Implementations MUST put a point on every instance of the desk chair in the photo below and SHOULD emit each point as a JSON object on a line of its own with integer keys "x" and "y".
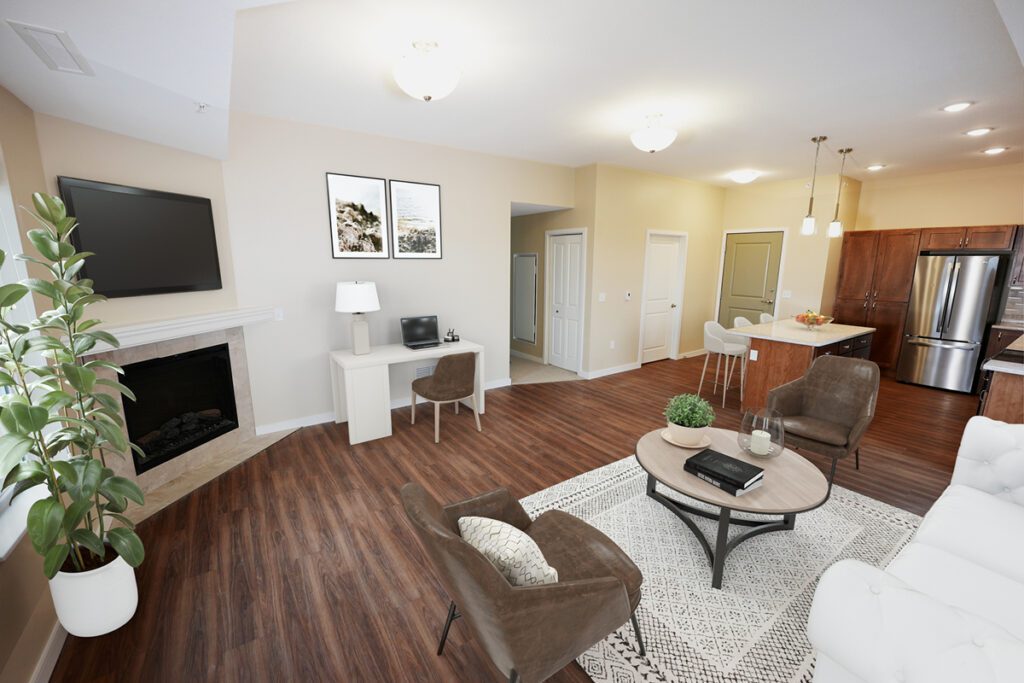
{"x": 452, "y": 381}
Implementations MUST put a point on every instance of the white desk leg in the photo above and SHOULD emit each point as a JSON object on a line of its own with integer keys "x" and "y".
{"x": 338, "y": 391}
{"x": 368, "y": 399}
{"x": 480, "y": 381}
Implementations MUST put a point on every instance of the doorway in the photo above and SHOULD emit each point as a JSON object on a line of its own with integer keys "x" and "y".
{"x": 565, "y": 277}
{"x": 661, "y": 305}
{"x": 751, "y": 264}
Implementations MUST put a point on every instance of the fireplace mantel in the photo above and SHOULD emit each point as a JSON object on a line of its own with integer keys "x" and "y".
{"x": 176, "y": 328}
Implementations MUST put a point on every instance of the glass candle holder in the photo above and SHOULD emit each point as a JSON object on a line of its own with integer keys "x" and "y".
{"x": 761, "y": 433}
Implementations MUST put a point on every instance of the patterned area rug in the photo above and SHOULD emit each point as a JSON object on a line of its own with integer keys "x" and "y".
{"x": 751, "y": 631}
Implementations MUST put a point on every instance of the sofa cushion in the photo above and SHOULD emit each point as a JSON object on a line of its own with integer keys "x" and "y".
{"x": 510, "y": 550}
{"x": 963, "y": 584}
{"x": 977, "y": 527}
{"x": 817, "y": 430}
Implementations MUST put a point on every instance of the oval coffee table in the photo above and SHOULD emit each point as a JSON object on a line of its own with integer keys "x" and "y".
{"x": 791, "y": 485}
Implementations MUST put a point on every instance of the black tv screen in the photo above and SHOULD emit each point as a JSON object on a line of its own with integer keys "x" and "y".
{"x": 145, "y": 241}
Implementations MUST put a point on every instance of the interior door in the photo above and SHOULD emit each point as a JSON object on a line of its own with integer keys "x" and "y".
{"x": 663, "y": 279}
{"x": 566, "y": 287}
{"x": 750, "y": 275}
{"x": 524, "y": 297}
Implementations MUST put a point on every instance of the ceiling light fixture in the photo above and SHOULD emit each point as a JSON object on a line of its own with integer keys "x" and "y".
{"x": 956, "y": 107}
{"x": 835, "y": 228}
{"x": 810, "y": 226}
{"x": 655, "y": 137}
{"x": 744, "y": 176}
{"x": 876, "y": 167}
{"x": 426, "y": 73}
{"x": 996, "y": 150}
{"x": 978, "y": 132}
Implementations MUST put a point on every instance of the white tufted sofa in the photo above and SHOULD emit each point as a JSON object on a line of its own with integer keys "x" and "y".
{"x": 949, "y": 608}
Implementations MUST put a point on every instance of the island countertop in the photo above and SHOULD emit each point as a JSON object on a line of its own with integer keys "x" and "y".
{"x": 792, "y": 332}
{"x": 1011, "y": 367}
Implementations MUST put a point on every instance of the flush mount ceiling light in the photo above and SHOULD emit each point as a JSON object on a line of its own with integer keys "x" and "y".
{"x": 956, "y": 107}
{"x": 655, "y": 137}
{"x": 996, "y": 150}
{"x": 810, "y": 226}
{"x": 978, "y": 132}
{"x": 876, "y": 167}
{"x": 426, "y": 73}
{"x": 744, "y": 176}
{"x": 835, "y": 228}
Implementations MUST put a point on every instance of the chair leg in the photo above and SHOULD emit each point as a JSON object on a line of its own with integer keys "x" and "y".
{"x": 456, "y": 407}
{"x": 437, "y": 422}
{"x": 718, "y": 365}
{"x": 639, "y": 637}
{"x": 414, "y": 407}
{"x": 726, "y": 376}
{"x": 476, "y": 415}
{"x": 513, "y": 676}
{"x": 743, "y": 376}
{"x": 452, "y": 616}
{"x": 707, "y": 357}
{"x": 856, "y": 459}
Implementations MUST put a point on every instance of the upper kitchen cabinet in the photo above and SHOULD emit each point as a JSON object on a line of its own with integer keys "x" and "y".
{"x": 975, "y": 237}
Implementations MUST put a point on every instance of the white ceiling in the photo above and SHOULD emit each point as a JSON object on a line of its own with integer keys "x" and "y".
{"x": 747, "y": 84}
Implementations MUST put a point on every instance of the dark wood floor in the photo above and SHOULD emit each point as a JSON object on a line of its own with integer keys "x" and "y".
{"x": 298, "y": 565}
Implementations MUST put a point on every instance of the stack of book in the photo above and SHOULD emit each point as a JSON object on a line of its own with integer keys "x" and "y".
{"x": 727, "y": 473}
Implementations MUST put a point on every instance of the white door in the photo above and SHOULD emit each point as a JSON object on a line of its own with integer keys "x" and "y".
{"x": 524, "y": 297}
{"x": 565, "y": 333}
{"x": 663, "y": 284}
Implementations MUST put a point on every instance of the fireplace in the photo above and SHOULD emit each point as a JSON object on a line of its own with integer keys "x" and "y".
{"x": 182, "y": 401}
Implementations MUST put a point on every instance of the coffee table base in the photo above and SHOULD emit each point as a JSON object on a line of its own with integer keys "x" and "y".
{"x": 723, "y": 546}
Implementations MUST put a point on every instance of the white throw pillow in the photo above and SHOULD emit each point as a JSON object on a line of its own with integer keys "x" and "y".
{"x": 515, "y": 554}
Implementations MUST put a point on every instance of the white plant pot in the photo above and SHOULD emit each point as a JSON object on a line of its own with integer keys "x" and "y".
{"x": 687, "y": 436}
{"x": 97, "y": 601}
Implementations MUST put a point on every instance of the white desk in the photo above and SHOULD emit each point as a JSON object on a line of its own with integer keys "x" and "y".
{"x": 362, "y": 384}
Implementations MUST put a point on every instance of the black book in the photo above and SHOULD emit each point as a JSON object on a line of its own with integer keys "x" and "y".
{"x": 725, "y": 486}
{"x": 724, "y": 468}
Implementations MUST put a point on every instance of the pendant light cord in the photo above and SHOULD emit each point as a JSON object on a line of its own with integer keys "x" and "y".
{"x": 839, "y": 192}
{"x": 814, "y": 175}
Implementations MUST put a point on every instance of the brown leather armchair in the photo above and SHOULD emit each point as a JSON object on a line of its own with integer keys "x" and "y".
{"x": 828, "y": 410}
{"x": 529, "y": 632}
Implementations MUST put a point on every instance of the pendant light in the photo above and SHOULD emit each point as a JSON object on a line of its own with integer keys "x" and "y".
{"x": 655, "y": 137}
{"x": 835, "y": 228}
{"x": 426, "y": 73}
{"x": 809, "y": 226}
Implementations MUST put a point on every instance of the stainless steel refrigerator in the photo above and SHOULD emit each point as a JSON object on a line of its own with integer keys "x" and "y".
{"x": 949, "y": 306}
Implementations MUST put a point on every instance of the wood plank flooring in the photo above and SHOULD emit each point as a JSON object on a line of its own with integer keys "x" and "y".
{"x": 298, "y": 564}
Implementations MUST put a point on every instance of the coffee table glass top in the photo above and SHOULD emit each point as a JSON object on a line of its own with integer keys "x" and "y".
{"x": 791, "y": 483}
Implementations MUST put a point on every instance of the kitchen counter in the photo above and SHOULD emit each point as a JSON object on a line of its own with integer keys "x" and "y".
{"x": 1007, "y": 365}
{"x": 791, "y": 332}
{"x": 1003, "y": 397}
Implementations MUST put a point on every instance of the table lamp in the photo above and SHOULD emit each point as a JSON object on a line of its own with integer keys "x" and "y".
{"x": 357, "y": 298}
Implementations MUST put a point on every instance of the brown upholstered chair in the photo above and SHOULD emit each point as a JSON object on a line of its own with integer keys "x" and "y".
{"x": 454, "y": 380}
{"x": 828, "y": 410}
{"x": 529, "y": 632}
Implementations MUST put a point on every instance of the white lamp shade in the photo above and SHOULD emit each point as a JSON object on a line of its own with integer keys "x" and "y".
{"x": 653, "y": 138}
{"x": 426, "y": 73}
{"x": 809, "y": 226}
{"x": 835, "y": 229}
{"x": 356, "y": 297}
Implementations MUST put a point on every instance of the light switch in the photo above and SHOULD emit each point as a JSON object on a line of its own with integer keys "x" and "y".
{"x": 629, "y": 296}
{"x": 753, "y": 354}
{"x": 787, "y": 294}
{"x": 602, "y": 297}
{"x": 611, "y": 344}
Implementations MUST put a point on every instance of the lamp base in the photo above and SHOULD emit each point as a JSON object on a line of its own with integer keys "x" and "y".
{"x": 360, "y": 335}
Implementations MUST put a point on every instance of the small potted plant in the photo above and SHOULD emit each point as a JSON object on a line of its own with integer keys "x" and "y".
{"x": 689, "y": 417}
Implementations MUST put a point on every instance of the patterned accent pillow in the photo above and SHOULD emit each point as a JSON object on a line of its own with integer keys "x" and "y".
{"x": 515, "y": 554}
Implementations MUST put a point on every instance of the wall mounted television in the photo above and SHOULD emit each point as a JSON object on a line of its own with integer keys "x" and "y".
{"x": 144, "y": 241}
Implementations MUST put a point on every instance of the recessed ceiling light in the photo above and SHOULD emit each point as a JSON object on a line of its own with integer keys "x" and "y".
{"x": 978, "y": 132}
{"x": 744, "y": 176}
{"x": 956, "y": 106}
{"x": 876, "y": 167}
{"x": 996, "y": 150}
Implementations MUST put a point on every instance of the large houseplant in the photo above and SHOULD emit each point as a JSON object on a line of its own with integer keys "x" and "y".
{"x": 62, "y": 425}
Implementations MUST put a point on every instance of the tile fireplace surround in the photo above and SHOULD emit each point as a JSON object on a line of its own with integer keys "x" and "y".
{"x": 177, "y": 477}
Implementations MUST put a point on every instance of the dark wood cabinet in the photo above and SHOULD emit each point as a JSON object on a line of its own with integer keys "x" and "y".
{"x": 857, "y": 265}
{"x": 851, "y": 311}
{"x": 1016, "y": 276}
{"x": 895, "y": 263}
{"x": 942, "y": 238}
{"x": 973, "y": 237}
{"x": 858, "y": 347}
{"x": 888, "y": 319}
{"x": 999, "y": 338}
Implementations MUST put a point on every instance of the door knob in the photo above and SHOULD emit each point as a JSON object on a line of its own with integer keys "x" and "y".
{"x": 673, "y": 306}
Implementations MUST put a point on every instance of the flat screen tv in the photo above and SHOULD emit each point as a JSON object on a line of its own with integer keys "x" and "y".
{"x": 144, "y": 241}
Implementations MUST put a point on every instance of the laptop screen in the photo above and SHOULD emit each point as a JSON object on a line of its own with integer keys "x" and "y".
{"x": 421, "y": 329}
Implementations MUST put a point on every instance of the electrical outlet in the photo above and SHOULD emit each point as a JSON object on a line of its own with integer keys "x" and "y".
{"x": 602, "y": 297}
{"x": 611, "y": 344}
{"x": 753, "y": 354}
{"x": 629, "y": 296}
{"x": 787, "y": 294}
{"x": 278, "y": 313}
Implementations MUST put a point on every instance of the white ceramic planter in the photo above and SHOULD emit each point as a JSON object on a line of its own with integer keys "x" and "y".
{"x": 97, "y": 601}
{"x": 687, "y": 436}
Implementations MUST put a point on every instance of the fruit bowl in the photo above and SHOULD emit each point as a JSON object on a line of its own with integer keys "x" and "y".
{"x": 812, "y": 320}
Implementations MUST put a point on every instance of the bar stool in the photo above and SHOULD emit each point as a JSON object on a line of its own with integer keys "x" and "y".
{"x": 720, "y": 342}
{"x": 767, "y": 318}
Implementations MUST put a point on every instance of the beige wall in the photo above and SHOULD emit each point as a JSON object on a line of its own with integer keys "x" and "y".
{"x": 986, "y": 196}
{"x": 27, "y": 612}
{"x": 78, "y": 151}
{"x": 274, "y": 179}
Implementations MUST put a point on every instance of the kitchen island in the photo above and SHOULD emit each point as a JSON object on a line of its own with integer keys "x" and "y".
{"x": 782, "y": 351}
{"x": 1003, "y": 396}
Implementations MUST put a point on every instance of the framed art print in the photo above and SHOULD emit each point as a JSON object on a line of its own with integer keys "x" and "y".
{"x": 416, "y": 219}
{"x": 357, "y": 207}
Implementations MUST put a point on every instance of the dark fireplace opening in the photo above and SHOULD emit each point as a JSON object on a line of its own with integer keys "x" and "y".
{"x": 182, "y": 401}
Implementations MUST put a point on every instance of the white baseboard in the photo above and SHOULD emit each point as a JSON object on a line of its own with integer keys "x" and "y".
{"x": 604, "y": 372}
{"x": 693, "y": 354}
{"x": 51, "y": 651}
{"x": 310, "y": 420}
{"x": 526, "y": 356}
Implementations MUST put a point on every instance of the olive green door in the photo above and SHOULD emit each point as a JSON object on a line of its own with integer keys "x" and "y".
{"x": 750, "y": 276}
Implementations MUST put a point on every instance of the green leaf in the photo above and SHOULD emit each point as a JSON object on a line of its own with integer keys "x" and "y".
{"x": 54, "y": 559}
{"x": 105, "y": 364}
{"x": 25, "y": 485}
{"x": 6, "y": 380}
{"x": 112, "y": 433}
{"x": 89, "y": 539}
{"x": 8, "y": 421}
{"x": 114, "y": 384}
{"x": 45, "y": 343}
{"x": 66, "y": 470}
{"x": 121, "y": 518}
{"x": 81, "y": 378}
{"x": 29, "y": 418}
{"x": 128, "y": 545}
{"x": 43, "y": 287}
{"x": 120, "y": 486}
{"x": 12, "y": 294}
{"x": 103, "y": 336}
{"x": 75, "y": 512}
{"x": 44, "y": 523}
{"x": 26, "y": 471}
{"x": 3, "y": 257}
{"x": 91, "y": 476}
{"x": 83, "y": 344}
{"x": 45, "y": 244}
{"x": 13, "y": 448}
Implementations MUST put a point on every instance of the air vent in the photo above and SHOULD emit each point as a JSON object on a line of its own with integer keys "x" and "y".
{"x": 53, "y": 47}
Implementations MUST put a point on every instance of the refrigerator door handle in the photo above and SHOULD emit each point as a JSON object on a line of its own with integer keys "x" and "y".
{"x": 965, "y": 346}
{"x": 954, "y": 281}
{"x": 945, "y": 298}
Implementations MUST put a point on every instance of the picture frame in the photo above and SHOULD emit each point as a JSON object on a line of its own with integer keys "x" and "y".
{"x": 415, "y": 219}
{"x": 358, "y": 220}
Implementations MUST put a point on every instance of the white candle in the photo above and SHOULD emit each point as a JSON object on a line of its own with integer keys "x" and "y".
{"x": 760, "y": 442}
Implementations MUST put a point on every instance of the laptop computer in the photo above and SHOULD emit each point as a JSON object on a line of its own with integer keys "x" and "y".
{"x": 420, "y": 332}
